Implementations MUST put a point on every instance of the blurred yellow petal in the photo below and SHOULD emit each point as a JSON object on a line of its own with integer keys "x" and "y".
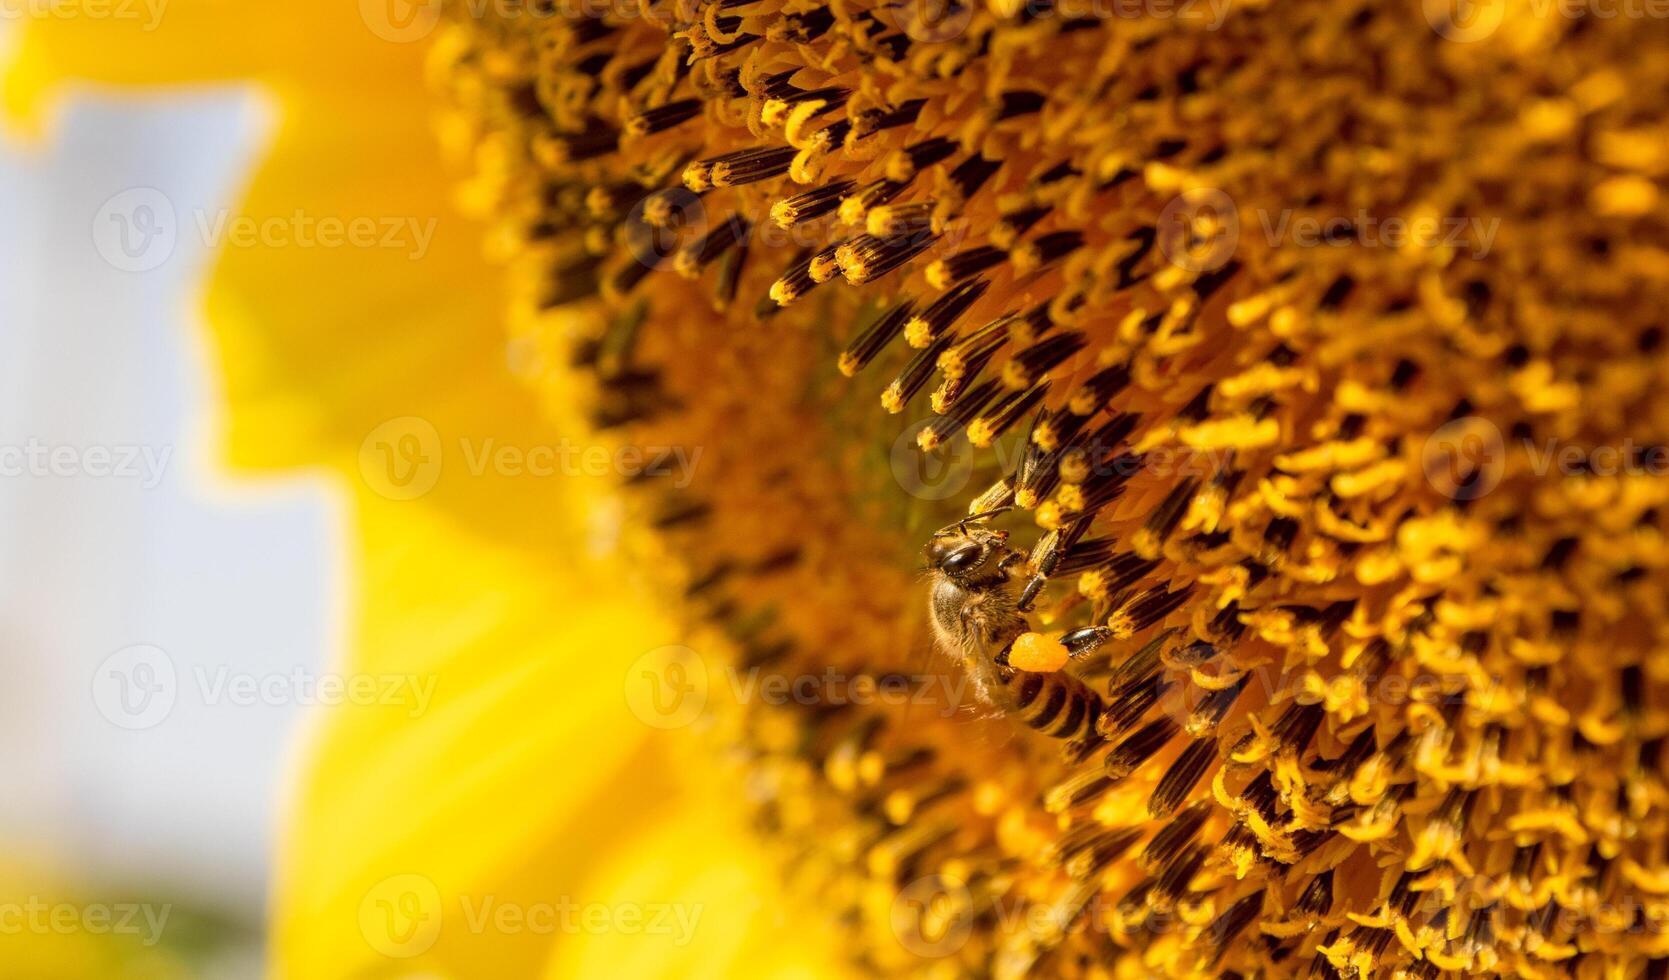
{"x": 52, "y": 929}
{"x": 520, "y": 779}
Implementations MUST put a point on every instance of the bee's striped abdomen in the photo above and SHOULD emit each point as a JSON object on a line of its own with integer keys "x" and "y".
{"x": 1056, "y": 704}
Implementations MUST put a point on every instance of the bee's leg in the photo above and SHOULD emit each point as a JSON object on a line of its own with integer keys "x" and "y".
{"x": 1001, "y": 656}
{"x": 1046, "y": 557}
{"x": 1028, "y": 595}
{"x": 1083, "y": 642}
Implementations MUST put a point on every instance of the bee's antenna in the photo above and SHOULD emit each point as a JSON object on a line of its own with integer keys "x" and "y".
{"x": 962, "y": 525}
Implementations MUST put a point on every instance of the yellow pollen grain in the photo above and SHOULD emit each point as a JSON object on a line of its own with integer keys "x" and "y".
{"x": 774, "y": 112}
{"x": 795, "y": 129}
{"x": 1146, "y": 543}
{"x": 785, "y": 214}
{"x": 657, "y": 211}
{"x": 1250, "y": 310}
{"x": 698, "y": 176}
{"x": 551, "y": 153}
{"x": 871, "y": 767}
{"x": 823, "y": 267}
{"x": 852, "y": 265}
{"x": 807, "y": 165}
{"x": 852, "y": 210}
{"x": 597, "y": 202}
{"x": 783, "y": 292}
{"x": 1046, "y": 436}
{"x": 1642, "y": 151}
{"x": 899, "y": 806}
{"x": 1628, "y": 196}
{"x": 1239, "y": 432}
{"x": 1025, "y": 258}
{"x": 687, "y": 264}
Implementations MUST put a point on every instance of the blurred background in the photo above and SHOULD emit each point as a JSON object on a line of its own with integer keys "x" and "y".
{"x": 162, "y": 626}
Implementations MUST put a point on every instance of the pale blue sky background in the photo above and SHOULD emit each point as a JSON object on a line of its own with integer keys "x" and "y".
{"x": 223, "y": 576}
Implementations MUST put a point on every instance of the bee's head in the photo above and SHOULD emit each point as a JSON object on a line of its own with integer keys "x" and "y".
{"x": 964, "y": 552}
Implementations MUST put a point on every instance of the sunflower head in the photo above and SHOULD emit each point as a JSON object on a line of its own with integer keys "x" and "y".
{"x": 1260, "y": 323}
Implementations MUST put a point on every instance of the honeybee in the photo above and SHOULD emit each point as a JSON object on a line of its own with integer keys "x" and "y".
{"x": 976, "y": 618}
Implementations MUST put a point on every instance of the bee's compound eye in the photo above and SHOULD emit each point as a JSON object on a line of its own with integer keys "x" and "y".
{"x": 961, "y": 559}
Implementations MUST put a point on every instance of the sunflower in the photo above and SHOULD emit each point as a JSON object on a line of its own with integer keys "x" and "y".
{"x": 1255, "y": 327}
{"x": 1311, "y": 356}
